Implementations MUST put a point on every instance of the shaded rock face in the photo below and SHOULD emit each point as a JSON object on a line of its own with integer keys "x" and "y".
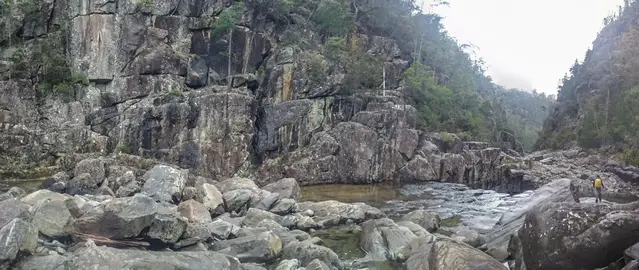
{"x": 576, "y": 236}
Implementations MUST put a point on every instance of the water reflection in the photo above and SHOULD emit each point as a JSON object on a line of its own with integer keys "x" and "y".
{"x": 370, "y": 194}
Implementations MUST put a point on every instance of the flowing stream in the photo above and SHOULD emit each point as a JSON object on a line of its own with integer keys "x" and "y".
{"x": 457, "y": 205}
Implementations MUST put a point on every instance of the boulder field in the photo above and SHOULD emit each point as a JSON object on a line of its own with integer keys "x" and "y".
{"x": 168, "y": 219}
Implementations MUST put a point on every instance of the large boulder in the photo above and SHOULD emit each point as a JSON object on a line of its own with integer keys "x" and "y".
{"x": 167, "y": 228}
{"x": 286, "y": 188}
{"x": 119, "y": 218}
{"x": 237, "y": 183}
{"x": 194, "y": 211}
{"x": 328, "y": 213}
{"x": 576, "y": 236}
{"x": 446, "y": 254}
{"x": 12, "y": 208}
{"x": 94, "y": 171}
{"x": 52, "y": 218}
{"x": 428, "y": 220}
{"x": 12, "y": 193}
{"x": 306, "y": 251}
{"x": 468, "y": 236}
{"x": 259, "y": 248}
{"x": 164, "y": 183}
{"x": 211, "y": 197}
{"x": 103, "y": 258}
{"x": 254, "y": 216}
{"x": 49, "y": 262}
{"x": 382, "y": 239}
{"x": 237, "y": 200}
{"x": 17, "y": 235}
{"x": 36, "y": 196}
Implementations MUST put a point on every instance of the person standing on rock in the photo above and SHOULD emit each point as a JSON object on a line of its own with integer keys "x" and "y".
{"x": 598, "y": 185}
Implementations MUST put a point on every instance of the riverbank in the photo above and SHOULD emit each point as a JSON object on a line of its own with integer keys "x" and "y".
{"x": 169, "y": 217}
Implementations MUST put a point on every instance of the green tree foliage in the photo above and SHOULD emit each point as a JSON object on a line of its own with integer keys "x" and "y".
{"x": 598, "y": 99}
{"x": 333, "y": 17}
{"x": 45, "y": 65}
{"x": 228, "y": 17}
{"x": 363, "y": 71}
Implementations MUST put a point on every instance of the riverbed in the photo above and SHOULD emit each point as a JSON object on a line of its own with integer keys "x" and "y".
{"x": 456, "y": 204}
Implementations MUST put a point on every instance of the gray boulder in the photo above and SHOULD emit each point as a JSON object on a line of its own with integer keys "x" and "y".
{"x": 36, "y": 196}
{"x": 428, "y": 220}
{"x": 284, "y": 207}
{"x": 220, "y": 229}
{"x": 317, "y": 265}
{"x": 119, "y": 218}
{"x": 382, "y": 239}
{"x": 164, "y": 183}
{"x": 329, "y": 213}
{"x": 53, "y": 261}
{"x": 12, "y": 193}
{"x": 95, "y": 171}
{"x": 237, "y": 200}
{"x": 237, "y": 183}
{"x": 446, "y": 254}
{"x": 52, "y": 218}
{"x": 103, "y": 258}
{"x": 17, "y": 235}
{"x": 167, "y": 228}
{"x": 211, "y": 197}
{"x": 286, "y": 188}
{"x": 573, "y": 236}
{"x": 265, "y": 200}
{"x": 305, "y": 252}
{"x": 468, "y": 236}
{"x": 194, "y": 211}
{"x": 259, "y": 248}
{"x": 11, "y": 209}
{"x": 291, "y": 264}
{"x": 189, "y": 193}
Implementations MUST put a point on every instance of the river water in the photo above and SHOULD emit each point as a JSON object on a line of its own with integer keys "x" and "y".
{"x": 458, "y": 206}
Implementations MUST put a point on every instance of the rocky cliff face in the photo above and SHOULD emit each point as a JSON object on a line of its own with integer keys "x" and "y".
{"x": 157, "y": 84}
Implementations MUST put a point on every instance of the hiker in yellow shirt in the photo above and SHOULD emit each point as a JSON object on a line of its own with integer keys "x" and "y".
{"x": 598, "y": 185}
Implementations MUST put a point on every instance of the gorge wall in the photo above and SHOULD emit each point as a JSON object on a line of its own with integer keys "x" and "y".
{"x": 87, "y": 78}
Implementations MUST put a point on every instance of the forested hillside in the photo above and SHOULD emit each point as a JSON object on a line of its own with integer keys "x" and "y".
{"x": 598, "y": 99}
{"x": 525, "y": 113}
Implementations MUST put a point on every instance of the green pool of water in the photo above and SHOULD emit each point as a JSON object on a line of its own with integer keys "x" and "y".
{"x": 369, "y": 194}
{"x": 344, "y": 240}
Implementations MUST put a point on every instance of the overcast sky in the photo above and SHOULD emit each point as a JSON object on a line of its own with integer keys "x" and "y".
{"x": 527, "y": 43}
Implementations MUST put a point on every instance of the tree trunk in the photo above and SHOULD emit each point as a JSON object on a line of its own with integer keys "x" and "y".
{"x": 384, "y": 79}
{"x": 230, "y": 56}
